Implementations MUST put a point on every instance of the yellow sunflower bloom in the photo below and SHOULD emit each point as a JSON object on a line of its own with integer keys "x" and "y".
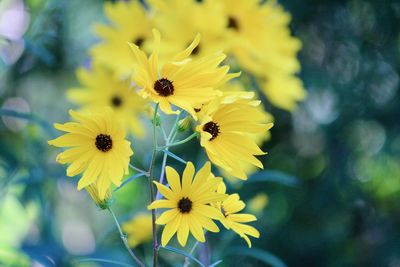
{"x": 226, "y": 134}
{"x": 138, "y": 229}
{"x": 184, "y": 82}
{"x": 100, "y": 88}
{"x": 232, "y": 219}
{"x": 179, "y": 21}
{"x": 258, "y": 203}
{"x": 129, "y": 23}
{"x": 188, "y": 203}
{"x": 98, "y": 149}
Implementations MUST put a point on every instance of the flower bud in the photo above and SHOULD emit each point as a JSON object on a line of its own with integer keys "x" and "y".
{"x": 94, "y": 194}
{"x": 184, "y": 124}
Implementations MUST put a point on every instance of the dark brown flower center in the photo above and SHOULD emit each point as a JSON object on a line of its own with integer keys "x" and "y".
{"x": 103, "y": 142}
{"x": 116, "y": 101}
{"x": 212, "y": 128}
{"x": 164, "y": 87}
{"x": 138, "y": 41}
{"x": 185, "y": 205}
{"x": 233, "y": 23}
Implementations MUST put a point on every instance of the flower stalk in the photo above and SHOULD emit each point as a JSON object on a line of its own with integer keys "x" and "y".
{"x": 124, "y": 239}
{"x": 151, "y": 178}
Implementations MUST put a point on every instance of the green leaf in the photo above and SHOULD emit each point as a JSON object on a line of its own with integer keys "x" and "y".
{"x": 183, "y": 253}
{"x": 130, "y": 179}
{"x": 274, "y": 176}
{"x": 172, "y": 155}
{"x": 104, "y": 261}
{"x": 258, "y": 254}
{"x": 215, "y": 263}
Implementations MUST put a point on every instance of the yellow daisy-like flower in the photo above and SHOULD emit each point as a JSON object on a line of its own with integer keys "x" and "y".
{"x": 234, "y": 92}
{"x": 232, "y": 219}
{"x": 138, "y": 229}
{"x": 129, "y": 23}
{"x": 283, "y": 90}
{"x": 179, "y": 21}
{"x": 100, "y": 88}
{"x": 226, "y": 134}
{"x": 258, "y": 203}
{"x": 184, "y": 82}
{"x": 98, "y": 149}
{"x": 264, "y": 46}
{"x": 188, "y": 202}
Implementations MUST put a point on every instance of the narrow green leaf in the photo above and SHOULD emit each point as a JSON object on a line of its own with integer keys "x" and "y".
{"x": 105, "y": 261}
{"x": 215, "y": 263}
{"x": 172, "y": 155}
{"x": 183, "y": 253}
{"x": 258, "y": 254}
{"x": 130, "y": 179}
{"x": 274, "y": 176}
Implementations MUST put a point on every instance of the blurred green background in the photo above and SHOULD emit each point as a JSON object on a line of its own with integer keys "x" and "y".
{"x": 335, "y": 199}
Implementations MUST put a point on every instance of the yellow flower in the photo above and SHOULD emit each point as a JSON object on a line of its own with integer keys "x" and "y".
{"x": 226, "y": 134}
{"x": 284, "y": 90}
{"x": 101, "y": 89}
{"x": 262, "y": 35}
{"x": 97, "y": 149}
{"x": 264, "y": 46}
{"x": 258, "y": 203}
{"x": 129, "y": 23}
{"x": 232, "y": 219}
{"x": 138, "y": 229}
{"x": 235, "y": 92}
{"x": 102, "y": 203}
{"x": 179, "y": 21}
{"x": 184, "y": 82}
{"x": 188, "y": 203}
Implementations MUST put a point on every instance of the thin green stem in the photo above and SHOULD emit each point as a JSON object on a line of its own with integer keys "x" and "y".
{"x": 151, "y": 179}
{"x": 138, "y": 170}
{"x": 187, "y": 139}
{"x": 186, "y": 263}
{"x": 171, "y": 138}
{"x": 124, "y": 239}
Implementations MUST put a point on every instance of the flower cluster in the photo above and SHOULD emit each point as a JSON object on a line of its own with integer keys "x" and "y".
{"x": 139, "y": 70}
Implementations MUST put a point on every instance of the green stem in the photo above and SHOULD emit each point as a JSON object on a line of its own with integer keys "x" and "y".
{"x": 151, "y": 178}
{"x": 187, "y": 139}
{"x": 124, "y": 239}
{"x": 138, "y": 170}
{"x": 186, "y": 263}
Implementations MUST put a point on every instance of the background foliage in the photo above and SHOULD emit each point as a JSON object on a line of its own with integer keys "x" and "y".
{"x": 333, "y": 197}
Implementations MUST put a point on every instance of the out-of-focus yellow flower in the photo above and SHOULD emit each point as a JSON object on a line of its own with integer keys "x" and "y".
{"x": 138, "y": 229}
{"x": 188, "y": 203}
{"x": 184, "y": 82}
{"x": 97, "y": 148}
{"x": 100, "y": 88}
{"x": 226, "y": 134}
{"x": 283, "y": 90}
{"x": 101, "y": 202}
{"x": 232, "y": 219}
{"x": 264, "y": 46}
{"x": 258, "y": 203}
{"x": 178, "y": 21}
{"x": 129, "y": 23}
